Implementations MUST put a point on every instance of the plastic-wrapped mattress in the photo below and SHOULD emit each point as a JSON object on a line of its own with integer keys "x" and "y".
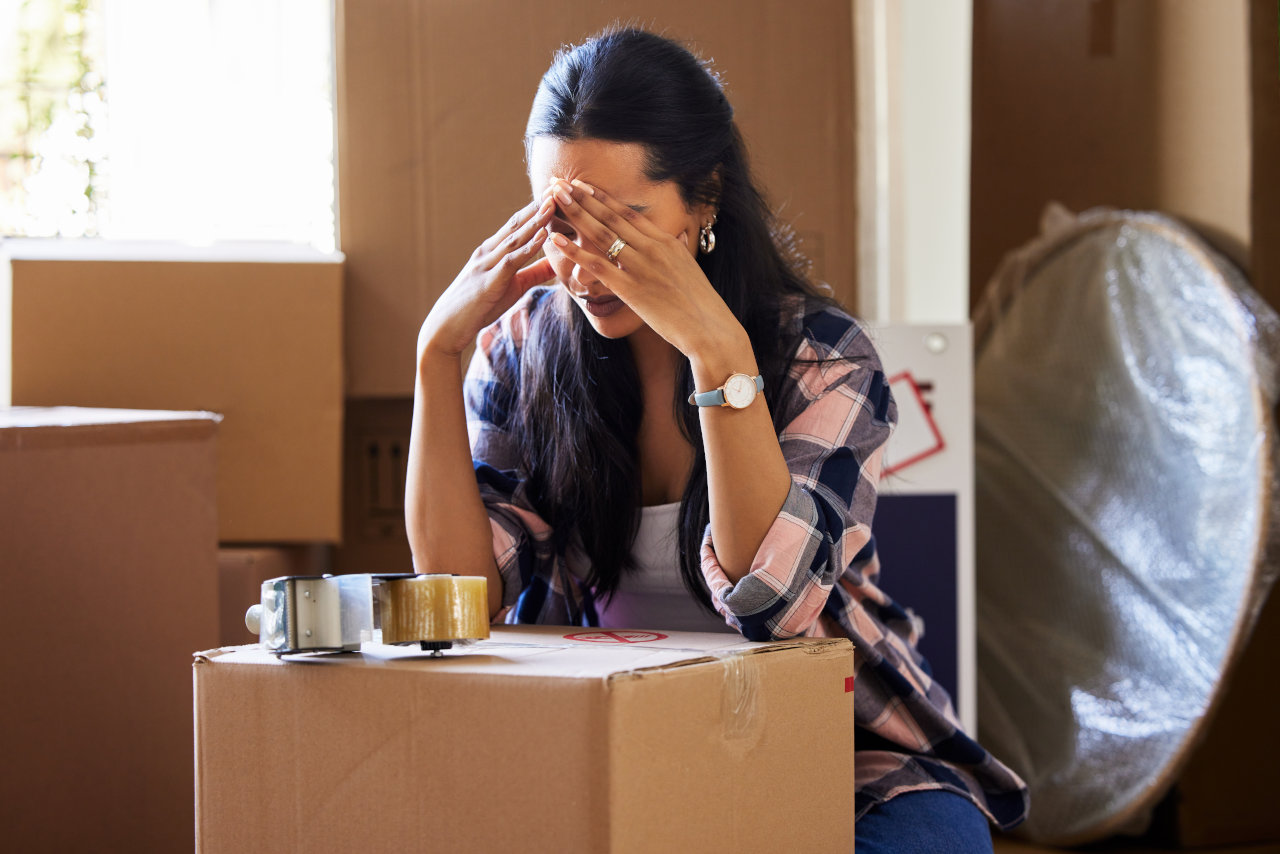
{"x": 1125, "y": 388}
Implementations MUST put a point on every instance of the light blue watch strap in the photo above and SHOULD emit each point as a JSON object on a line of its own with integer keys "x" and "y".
{"x": 715, "y": 397}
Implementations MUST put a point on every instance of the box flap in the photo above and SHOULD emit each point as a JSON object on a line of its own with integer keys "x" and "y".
{"x": 543, "y": 651}
{"x": 61, "y": 426}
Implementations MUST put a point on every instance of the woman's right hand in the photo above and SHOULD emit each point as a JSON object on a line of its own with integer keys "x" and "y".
{"x": 498, "y": 273}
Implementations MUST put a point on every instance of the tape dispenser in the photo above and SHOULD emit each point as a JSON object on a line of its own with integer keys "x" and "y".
{"x": 334, "y": 613}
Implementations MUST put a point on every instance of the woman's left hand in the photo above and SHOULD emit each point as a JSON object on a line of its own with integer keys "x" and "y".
{"x": 655, "y": 274}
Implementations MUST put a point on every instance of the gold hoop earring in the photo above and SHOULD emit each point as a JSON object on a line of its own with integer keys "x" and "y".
{"x": 707, "y": 237}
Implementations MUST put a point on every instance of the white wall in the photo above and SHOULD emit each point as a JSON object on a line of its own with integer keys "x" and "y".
{"x": 913, "y": 124}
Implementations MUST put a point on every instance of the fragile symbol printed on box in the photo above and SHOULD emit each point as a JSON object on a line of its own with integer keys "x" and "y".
{"x": 615, "y": 637}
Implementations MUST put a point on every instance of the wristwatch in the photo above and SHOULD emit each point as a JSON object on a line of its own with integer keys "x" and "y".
{"x": 737, "y": 392}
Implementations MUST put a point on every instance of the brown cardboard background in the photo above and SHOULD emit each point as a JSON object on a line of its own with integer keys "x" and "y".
{"x": 1227, "y": 793}
{"x": 107, "y": 549}
{"x": 1139, "y": 104}
{"x": 260, "y": 343}
{"x": 241, "y": 572}
{"x": 1264, "y": 25}
{"x": 432, "y": 102}
{"x": 375, "y": 461}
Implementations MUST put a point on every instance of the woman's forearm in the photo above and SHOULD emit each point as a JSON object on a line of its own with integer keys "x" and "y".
{"x": 448, "y": 527}
{"x": 747, "y": 475}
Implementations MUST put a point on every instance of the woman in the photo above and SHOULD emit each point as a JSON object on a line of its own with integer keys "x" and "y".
{"x": 679, "y": 397}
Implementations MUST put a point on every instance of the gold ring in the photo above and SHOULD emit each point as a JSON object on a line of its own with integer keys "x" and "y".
{"x": 614, "y": 248}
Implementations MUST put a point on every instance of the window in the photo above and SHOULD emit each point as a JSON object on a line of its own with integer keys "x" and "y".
{"x": 200, "y": 121}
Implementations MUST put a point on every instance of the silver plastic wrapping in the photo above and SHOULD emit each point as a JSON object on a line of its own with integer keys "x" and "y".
{"x": 1124, "y": 393}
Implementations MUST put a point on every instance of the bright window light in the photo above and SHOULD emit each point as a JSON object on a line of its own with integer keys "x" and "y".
{"x": 199, "y": 121}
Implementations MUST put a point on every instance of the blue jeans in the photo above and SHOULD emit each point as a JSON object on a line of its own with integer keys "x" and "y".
{"x": 929, "y": 822}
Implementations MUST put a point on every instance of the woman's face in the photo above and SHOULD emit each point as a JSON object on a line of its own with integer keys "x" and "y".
{"x": 618, "y": 169}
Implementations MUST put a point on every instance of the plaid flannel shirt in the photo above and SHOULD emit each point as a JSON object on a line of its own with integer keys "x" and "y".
{"x": 815, "y": 573}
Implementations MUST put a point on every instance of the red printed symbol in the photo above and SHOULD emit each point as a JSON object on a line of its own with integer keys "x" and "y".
{"x": 615, "y": 637}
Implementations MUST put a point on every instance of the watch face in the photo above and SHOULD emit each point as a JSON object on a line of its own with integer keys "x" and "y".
{"x": 739, "y": 391}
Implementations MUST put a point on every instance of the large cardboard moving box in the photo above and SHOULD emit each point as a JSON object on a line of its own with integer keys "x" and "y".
{"x": 258, "y": 341}
{"x": 539, "y": 739}
{"x": 108, "y": 544}
{"x": 241, "y": 571}
{"x": 1144, "y": 105}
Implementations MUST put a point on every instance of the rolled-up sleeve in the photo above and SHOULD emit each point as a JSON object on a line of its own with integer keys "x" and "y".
{"x": 833, "y": 447}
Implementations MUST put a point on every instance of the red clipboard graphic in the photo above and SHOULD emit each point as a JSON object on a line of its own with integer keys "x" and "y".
{"x": 917, "y": 436}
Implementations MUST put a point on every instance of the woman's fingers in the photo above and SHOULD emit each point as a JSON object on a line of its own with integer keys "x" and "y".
{"x": 593, "y": 220}
{"x": 519, "y": 254}
{"x": 514, "y": 222}
{"x": 626, "y": 222}
{"x": 518, "y": 230}
{"x": 537, "y": 273}
{"x": 614, "y": 275}
{"x": 529, "y": 234}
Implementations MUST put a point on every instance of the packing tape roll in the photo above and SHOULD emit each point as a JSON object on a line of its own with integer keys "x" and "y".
{"x": 434, "y": 608}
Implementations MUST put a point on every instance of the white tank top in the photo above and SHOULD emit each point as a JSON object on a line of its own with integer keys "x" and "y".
{"x": 652, "y": 595}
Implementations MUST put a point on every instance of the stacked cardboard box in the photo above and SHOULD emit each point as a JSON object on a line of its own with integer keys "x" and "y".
{"x": 258, "y": 342}
{"x": 539, "y": 739}
{"x": 108, "y": 541}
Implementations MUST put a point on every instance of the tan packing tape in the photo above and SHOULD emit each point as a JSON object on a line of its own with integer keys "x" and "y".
{"x": 434, "y": 609}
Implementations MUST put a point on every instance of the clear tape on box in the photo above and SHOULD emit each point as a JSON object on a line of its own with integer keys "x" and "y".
{"x": 1125, "y": 390}
{"x": 742, "y": 703}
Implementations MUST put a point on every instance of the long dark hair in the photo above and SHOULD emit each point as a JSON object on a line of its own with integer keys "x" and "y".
{"x": 578, "y": 409}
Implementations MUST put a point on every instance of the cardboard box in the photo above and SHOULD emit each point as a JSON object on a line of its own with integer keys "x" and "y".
{"x": 432, "y": 103}
{"x": 539, "y": 739}
{"x": 1264, "y": 113}
{"x": 241, "y": 572}
{"x": 1227, "y": 794}
{"x": 375, "y": 464}
{"x": 108, "y": 553}
{"x": 1142, "y": 105}
{"x": 259, "y": 342}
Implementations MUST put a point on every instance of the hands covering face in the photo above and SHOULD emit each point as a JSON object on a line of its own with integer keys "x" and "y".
{"x": 653, "y": 272}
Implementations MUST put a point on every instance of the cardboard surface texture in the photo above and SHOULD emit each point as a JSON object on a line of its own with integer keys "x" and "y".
{"x": 375, "y": 464}
{"x": 579, "y": 740}
{"x": 1142, "y": 105}
{"x": 1227, "y": 794}
{"x": 108, "y": 548}
{"x": 260, "y": 343}
{"x": 241, "y": 571}
{"x": 1264, "y": 103}
{"x": 433, "y": 98}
